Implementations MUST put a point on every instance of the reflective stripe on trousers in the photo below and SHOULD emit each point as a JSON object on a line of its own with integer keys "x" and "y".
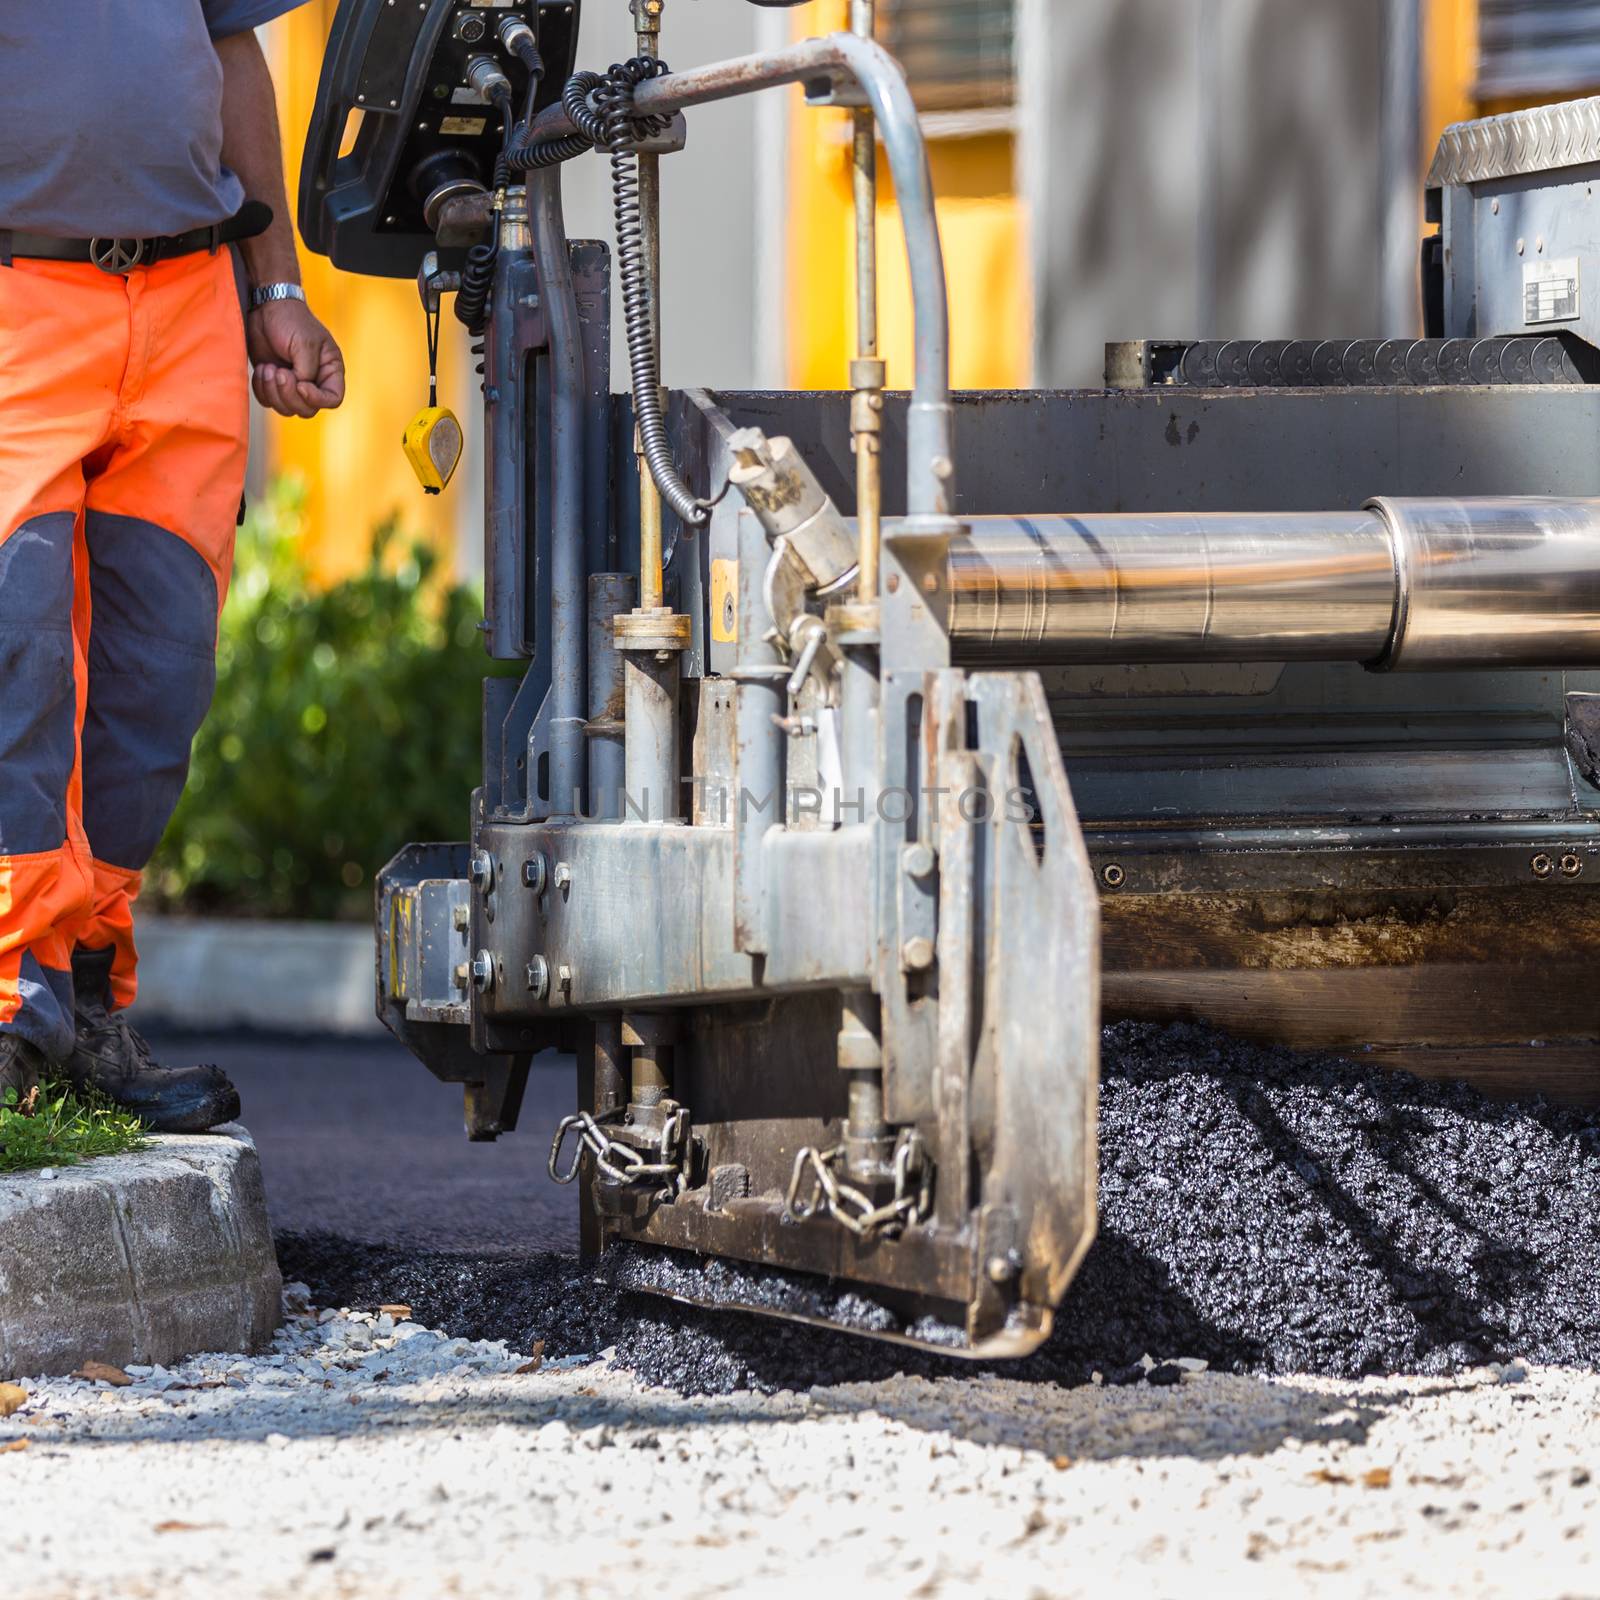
{"x": 123, "y": 431}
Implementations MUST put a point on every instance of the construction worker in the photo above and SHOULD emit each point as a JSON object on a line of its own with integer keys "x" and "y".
{"x": 140, "y": 167}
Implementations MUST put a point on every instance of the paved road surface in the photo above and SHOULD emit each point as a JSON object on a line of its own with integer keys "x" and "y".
{"x": 357, "y": 1138}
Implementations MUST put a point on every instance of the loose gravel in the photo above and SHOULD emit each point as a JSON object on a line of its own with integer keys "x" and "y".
{"x": 372, "y": 1457}
{"x": 1264, "y": 1211}
{"x": 1338, "y": 1337}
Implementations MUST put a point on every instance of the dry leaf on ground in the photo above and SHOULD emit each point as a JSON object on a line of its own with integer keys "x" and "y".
{"x": 103, "y": 1372}
{"x": 14, "y": 1444}
{"x": 12, "y": 1398}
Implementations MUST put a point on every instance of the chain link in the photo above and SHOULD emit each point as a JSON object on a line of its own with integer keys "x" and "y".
{"x": 849, "y": 1206}
{"x": 620, "y": 1164}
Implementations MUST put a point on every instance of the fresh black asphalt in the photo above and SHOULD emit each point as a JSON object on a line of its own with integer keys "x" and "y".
{"x": 1263, "y": 1211}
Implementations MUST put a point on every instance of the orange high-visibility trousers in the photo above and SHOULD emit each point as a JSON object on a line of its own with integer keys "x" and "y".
{"x": 123, "y": 432}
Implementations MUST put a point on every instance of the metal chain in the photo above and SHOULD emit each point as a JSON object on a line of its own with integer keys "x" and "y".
{"x": 620, "y": 1164}
{"x": 849, "y": 1206}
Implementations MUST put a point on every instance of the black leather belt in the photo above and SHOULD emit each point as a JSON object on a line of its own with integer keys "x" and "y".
{"x": 119, "y": 256}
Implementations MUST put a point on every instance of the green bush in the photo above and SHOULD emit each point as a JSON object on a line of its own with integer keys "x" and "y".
{"x": 345, "y": 724}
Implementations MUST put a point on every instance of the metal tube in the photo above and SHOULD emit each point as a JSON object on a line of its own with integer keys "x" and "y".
{"x": 568, "y": 610}
{"x": 610, "y": 1080}
{"x": 867, "y": 1141}
{"x": 930, "y": 471}
{"x": 867, "y": 374}
{"x": 650, "y": 1076}
{"x": 652, "y": 561}
{"x": 1172, "y": 587}
{"x": 650, "y": 693}
{"x": 506, "y": 525}
{"x": 1406, "y": 584}
{"x": 1509, "y": 582}
{"x": 610, "y": 594}
{"x": 759, "y": 699}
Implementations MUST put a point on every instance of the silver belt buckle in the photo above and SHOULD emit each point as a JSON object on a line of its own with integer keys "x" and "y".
{"x": 117, "y": 256}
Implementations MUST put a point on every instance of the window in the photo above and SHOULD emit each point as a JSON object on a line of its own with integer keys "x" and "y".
{"x": 957, "y": 53}
{"x": 1538, "y": 47}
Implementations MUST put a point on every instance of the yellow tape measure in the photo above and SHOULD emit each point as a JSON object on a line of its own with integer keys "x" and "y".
{"x": 432, "y": 444}
{"x": 433, "y": 440}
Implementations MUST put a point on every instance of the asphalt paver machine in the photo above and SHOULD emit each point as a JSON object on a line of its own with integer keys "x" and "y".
{"x": 869, "y": 745}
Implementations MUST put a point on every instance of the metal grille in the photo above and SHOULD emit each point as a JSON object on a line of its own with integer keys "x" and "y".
{"x": 957, "y": 53}
{"x": 1538, "y": 47}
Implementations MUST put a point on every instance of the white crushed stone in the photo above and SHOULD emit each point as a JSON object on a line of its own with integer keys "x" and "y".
{"x": 367, "y": 1458}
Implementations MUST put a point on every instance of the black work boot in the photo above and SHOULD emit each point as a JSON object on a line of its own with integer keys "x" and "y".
{"x": 109, "y": 1056}
{"x": 22, "y": 1065}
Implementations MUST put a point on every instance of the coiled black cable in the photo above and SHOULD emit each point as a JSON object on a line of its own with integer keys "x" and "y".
{"x": 600, "y": 107}
{"x": 477, "y": 271}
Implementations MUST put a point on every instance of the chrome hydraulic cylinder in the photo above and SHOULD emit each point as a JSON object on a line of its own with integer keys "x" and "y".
{"x": 1402, "y": 585}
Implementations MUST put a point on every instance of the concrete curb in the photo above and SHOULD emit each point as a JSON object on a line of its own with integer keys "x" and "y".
{"x": 144, "y": 1258}
{"x": 282, "y": 977}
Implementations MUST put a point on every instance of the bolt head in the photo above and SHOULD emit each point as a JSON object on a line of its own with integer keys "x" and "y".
{"x": 533, "y": 873}
{"x": 919, "y": 859}
{"x": 483, "y": 971}
{"x": 916, "y": 954}
{"x": 564, "y": 978}
{"x": 539, "y": 977}
{"x": 1001, "y": 1269}
{"x": 562, "y": 876}
{"x": 480, "y": 870}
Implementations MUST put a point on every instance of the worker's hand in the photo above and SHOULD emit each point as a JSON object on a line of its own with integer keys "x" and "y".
{"x": 299, "y": 370}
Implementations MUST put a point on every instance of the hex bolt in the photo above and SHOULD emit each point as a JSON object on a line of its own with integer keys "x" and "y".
{"x": 564, "y": 978}
{"x": 1543, "y": 865}
{"x": 562, "y": 877}
{"x": 930, "y": 582}
{"x": 533, "y": 873}
{"x": 1112, "y": 876}
{"x": 1571, "y": 865}
{"x": 463, "y": 974}
{"x": 919, "y": 859}
{"x": 480, "y": 870}
{"x": 539, "y": 977}
{"x": 483, "y": 972}
{"x": 916, "y": 954}
{"x": 460, "y": 918}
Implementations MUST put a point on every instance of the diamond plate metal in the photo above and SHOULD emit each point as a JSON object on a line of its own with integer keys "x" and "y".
{"x": 1518, "y": 142}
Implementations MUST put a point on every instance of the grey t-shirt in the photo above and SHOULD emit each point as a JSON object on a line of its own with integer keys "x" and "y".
{"x": 111, "y": 114}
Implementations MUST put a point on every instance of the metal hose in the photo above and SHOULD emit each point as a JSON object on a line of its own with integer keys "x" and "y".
{"x": 622, "y": 127}
{"x": 600, "y": 107}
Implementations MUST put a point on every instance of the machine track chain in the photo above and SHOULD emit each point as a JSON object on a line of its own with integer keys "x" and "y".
{"x": 1362, "y": 363}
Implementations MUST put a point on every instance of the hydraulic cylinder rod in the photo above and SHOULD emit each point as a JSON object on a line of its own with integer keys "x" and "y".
{"x": 1404, "y": 584}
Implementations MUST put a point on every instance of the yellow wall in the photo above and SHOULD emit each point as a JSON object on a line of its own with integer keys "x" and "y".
{"x": 350, "y": 459}
{"x": 981, "y": 221}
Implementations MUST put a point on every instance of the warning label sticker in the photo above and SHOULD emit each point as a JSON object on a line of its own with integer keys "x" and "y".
{"x": 1550, "y": 291}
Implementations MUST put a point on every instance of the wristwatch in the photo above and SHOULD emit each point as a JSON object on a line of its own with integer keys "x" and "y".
{"x": 262, "y": 294}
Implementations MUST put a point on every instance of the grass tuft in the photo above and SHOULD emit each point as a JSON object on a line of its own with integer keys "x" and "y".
{"x": 56, "y": 1126}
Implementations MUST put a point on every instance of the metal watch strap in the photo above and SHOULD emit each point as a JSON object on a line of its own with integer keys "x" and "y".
{"x": 262, "y": 294}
